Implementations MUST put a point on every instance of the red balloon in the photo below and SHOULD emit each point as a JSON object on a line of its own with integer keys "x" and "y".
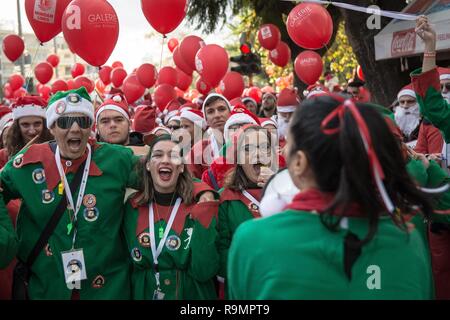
{"x": 132, "y": 88}
{"x": 16, "y": 81}
{"x": 45, "y": 17}
{"x": 82, "y": 81}
{"x": 188, "y": 48}
{"x": 269, "y": 36}
{"x": 184, "y": 80}
{"x": 180, "y": 62}
{"x": 105, "y": 74}
{"x": 117, "y": 64}
{"x": 232, "y": 85}
{"x": 164, "y": 16}
{"x": 168, "y": 75}
{"x": 59, "y": 85}
{"x": 164, "y": 93}
{"x": 43, "y": 72}
{"x": 45, "y": 92}
{"x": 203, "y": 87}
{"x": 360, "y": 73}
{"x": 13, "y": 47}
{"x": 77, "y": 70}
{"x": 255, "y": 93}
{"x": 117, "y": 76}
{"x": 147, "y": 75}
{"x": 172, "y": 44}
{"x": 310, "y": 26}
{"x": 280, "y": 55}
{"x": 308, "y": 66}
{"x": 211, "y": 63}
{"x": 53, "y": 59}
{"x": 7, "y": 91}
{"x": 100, "y": 87}
{"x": 70, "y": 84}
{"x": 91, "y": 29}
{"x": 21, "y": 92}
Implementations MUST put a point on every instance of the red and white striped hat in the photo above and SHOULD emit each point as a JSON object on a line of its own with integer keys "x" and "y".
{"x": 195, "y": 116}
{"x": 117, "y": 103}
{"x": 407, "y": 91}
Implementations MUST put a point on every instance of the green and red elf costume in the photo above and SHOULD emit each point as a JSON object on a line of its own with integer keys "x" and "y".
{"x": 436, "y": 109}
{"x": 33, "y": 175}
{"x": 173, "y": 247}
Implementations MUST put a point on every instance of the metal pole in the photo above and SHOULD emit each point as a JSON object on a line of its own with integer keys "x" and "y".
{"x": 56, "y": 52}
{"x": 19, "y": 23}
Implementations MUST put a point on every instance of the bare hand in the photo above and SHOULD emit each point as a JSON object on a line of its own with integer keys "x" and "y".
{"x": 425, "y": 31}
{"x": 206, "y": 196}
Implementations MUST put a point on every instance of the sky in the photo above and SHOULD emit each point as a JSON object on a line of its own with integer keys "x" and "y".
{"x": 133, "y": 47}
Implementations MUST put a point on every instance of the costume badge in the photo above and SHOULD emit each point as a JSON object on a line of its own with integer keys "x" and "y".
{"x": 136, "y": 254}
{"x": 173, "y": 243}
{"x": 74, "y": 266}
{"x": 98, "y": 282}
{"x": 73, "y": 98}
{"x": 89, "y": 201}
{"x": 253, "y": 207}
{"x": 18, "y": 161}
{"x": 47, "y": 196}
{"x": 144, "y": 239}
{"x": 38, "y": 176}
{"x": 60, "y": 107}
{"x": 90, "y": 214}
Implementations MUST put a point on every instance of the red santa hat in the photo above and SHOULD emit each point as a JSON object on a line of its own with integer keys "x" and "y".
{"x": 6, "y": 118}
{"x": 158, "y": 128}
{"x": 240, "y": 115}
{"x": 144, "y": 120}
{"x": 288, "y": 100}
{"x": 444, "y": 73}
{"x": 29, "y": 106}
{"x": 315, "y": 90}
{"x": 188, "y": 106}
{"x": 171, "y": 110}
{"x": 407, "y": 91}
{"x": 236, "y": 101}
{"x": 116, "y": 103}
{"x": 212, "y": 95}
{"x": 195, "y": 116}
{"x": 249, "y": 99}
{"x": 267, "y": 121}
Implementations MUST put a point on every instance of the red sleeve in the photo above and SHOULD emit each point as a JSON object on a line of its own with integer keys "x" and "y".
{"x": 421, "y": 146}
{"x": 435, "y": 139}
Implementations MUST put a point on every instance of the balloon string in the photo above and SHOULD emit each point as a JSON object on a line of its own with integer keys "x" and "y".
{"x": 31, "y": 66}
{"x": 162, "y": 50}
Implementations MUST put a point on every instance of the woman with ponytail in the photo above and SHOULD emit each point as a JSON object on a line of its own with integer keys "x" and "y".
{"x": 344, "y": 236}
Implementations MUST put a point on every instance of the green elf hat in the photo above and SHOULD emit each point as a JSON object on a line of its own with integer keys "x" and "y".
{"x": 72, "y": 101}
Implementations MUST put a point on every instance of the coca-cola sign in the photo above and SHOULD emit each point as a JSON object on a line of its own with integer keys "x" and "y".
{"x": 403, "y": 43}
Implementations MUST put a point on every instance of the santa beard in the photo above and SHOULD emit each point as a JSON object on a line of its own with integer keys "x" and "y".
{"x": 446, "y": 96}
{"x": 407, "y": 119}
{"x": 283, "y": 126}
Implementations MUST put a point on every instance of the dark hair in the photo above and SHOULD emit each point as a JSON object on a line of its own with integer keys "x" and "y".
{"x": 15, "y": 139}
{"x": 235, "y": 179}
{"x": 185, "y": 185}
{"x": 341, "y": 166}
{"x": 213, "y": 99}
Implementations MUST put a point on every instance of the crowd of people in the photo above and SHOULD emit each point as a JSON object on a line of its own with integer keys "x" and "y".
{"x": 128, "y": 202}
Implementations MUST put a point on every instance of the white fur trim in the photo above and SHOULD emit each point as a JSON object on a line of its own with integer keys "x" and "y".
{"x": 270, "y": 121}
{"x": 7, "y": 118}
{"x": 286, "y": 108}
{"x": 194, "y": 118}
{"x": 212, "y": 95}
{"x": 247, "y": 99}
{"x": 85, "y": 107}
{"x": 445, "y": 76}
{"x": 27, "y": 111}
{"x": 237, "y": 118}
{"x": 406, "y": 92}
{"x": 111, "y": 107}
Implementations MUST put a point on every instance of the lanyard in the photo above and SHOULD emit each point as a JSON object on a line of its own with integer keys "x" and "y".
{"x": 250, "y": 197}
{"x": 151, "y": 222}
{"x": 67, "y": 188}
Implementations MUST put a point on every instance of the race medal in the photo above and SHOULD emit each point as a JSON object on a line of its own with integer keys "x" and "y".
{"x": 74, "y": 266}
{"x": 161, "y": 232}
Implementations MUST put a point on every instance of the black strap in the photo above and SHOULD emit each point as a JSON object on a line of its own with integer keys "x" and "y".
{"x": 53, "y": 222}
{"x": 213, "y": 180}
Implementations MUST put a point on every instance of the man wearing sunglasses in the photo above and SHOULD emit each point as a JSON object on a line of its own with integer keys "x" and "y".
{"x": 89, "y": 227}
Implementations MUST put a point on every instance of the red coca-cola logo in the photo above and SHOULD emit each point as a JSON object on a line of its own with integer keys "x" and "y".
{"x": 403, "y": 42}
{"x": 45, "y": 5}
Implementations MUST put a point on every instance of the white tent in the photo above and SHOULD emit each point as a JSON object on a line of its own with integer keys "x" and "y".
{"x": 398, "y": 38}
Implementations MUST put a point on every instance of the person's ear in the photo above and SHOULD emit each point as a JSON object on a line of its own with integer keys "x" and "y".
{"x": 147, "y": 166}
{"x": 300, "y": 164}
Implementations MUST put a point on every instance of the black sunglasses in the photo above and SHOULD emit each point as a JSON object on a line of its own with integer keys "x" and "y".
{"x": 173, "y": 128}
{"x": 447, "y": 86}
{"x": 67, "y": 122}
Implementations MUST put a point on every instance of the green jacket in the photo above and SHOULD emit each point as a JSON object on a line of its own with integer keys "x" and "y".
{"x": 189, "y": 260}
{"x": 33, "y": 176}
{"x": 431, "y": 103}
{"x": 293, "y": 256}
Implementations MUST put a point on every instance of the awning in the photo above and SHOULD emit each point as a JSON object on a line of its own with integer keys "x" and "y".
{"x": 398, "y": 38}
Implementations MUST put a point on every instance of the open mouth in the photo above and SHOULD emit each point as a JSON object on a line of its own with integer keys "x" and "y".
{"x": 257, "y": 168}
{"x": 74, "y": 144}
{"x": 165, "y": 174}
